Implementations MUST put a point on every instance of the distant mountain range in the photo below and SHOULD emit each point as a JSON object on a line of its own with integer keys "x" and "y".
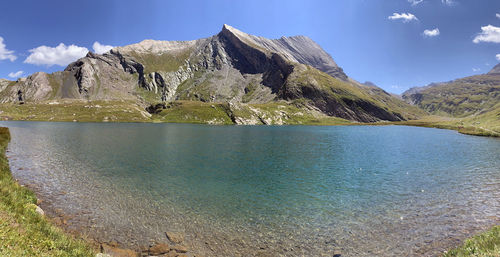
{"x": 230, "y": 67}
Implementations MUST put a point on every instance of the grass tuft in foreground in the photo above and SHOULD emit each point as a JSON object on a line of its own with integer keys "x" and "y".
{"x": 24, "y": 232}
{"x": 486, "y": 244}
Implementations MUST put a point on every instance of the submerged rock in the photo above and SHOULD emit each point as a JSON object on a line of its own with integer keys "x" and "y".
{"x": 117, "y": 252}
{"x": 180, "y": 248}
{"x": 158, "y": 249}
{"x": 175, "y": 237}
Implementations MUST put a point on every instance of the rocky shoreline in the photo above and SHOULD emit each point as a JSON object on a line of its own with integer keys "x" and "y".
{"x": 173, "y": 244}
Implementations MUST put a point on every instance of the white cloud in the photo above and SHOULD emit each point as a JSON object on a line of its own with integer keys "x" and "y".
{"x": 6, "y": 53}
{"x": 100, "y": 49}
{"x": 16, "y": 74}
{"x": 498, "y": 15}
{"x": 476, "y": 69}
{"x": 431, "y": 33}
{"x": 406, "y": 17}
{"x": 488, "y": 33}
{"x": 498, "y": 57}
{"x": 448, "y": 2}
{"x": 415, "y": 2}
{"x": 61, "y": 55}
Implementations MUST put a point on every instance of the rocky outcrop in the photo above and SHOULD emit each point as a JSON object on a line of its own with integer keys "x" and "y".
{"x": 4, "y": 83}
{"x": 35, "y": 87}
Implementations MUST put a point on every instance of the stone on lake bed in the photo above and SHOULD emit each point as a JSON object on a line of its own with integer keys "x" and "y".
{"x": 158, "y": 249}
{"x": 117, "y": 252}
{"x": 175, "y": 237}
{"x": 180, "y": 248}
{"x": 171, "y": 254}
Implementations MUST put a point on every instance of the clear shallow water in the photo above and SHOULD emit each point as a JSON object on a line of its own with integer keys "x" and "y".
{"x": 243, "y": 191}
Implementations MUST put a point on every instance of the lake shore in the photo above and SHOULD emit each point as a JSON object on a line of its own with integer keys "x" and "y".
{"x": 218, "y": 114}
{"x": 24, "y": 229}
{"x": 28, "y": 230}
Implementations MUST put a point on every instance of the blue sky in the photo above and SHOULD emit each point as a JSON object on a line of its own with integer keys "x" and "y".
{"x": 394, "y": 53}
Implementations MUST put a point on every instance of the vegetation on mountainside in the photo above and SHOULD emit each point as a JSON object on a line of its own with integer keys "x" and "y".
{"x": 487, "y": 124}
{"x": 193, "y": 112}
{"x": 469, "y": 105}
{"x": 23, "y": 231}
{"x": 82, "y": 111}
{"x": 226, "y": 114}
{"x": 486, "y": 244}
{"x": 166, "y": 62}
{"x": 345, "y": 93}
{"x": 459, "y": 98}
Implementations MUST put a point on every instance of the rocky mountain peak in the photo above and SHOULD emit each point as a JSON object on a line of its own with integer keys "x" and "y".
{"x": 295, "y": 49}
{"x": 157, "y": 47}
{"x": 495, "y": 70}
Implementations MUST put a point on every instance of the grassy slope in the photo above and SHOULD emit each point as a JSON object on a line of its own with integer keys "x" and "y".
{"x": 24, "y": 232}
{"x": 164, "y": 62}
{"x": 462, "y": 97}
{"x": 470, "y": 105}
{"x": 486, "y": 244}
{"x": 75, "y": 111}
{"x": 343, "y": 92}
{"x": 485, "y": 124}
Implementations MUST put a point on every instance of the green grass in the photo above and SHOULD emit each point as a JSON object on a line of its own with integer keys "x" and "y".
{"x": 486, "y": 244}
{"x": 24, "y": 232}
{"x": 76, "y": 110}
{"x": 487, "y": 124}
{"x": 194, "y": 112}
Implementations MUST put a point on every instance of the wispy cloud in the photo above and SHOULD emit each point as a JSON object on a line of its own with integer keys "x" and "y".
{"x": 100, "y": 49}
{"x": 415, "y": 2}
{"x": 498, "y": 57}
{"x": 6, "y": 53}
{"x": 61, "y": 55}
{"x": 16, "y": 74}
{"x": 406, "y": 17}
{"x": 476, "y": 69}
{"x": 431, "y": 33}
{"x": 498, "y": 15}
{"x": 449, "y": 2}
{"x": 488, "y": 33}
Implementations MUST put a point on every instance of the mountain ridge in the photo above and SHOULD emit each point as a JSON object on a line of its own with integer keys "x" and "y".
{"x": 229, "y": 67}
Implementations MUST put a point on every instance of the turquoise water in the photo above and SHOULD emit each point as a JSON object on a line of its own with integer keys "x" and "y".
{"x": 247, "y": 190}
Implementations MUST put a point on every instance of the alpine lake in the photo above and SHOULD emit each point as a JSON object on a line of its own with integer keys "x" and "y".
{"x": 263, "y": 190}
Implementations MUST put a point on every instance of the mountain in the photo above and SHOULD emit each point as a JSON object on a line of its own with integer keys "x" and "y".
{"x": 458, "y": 98}
{"x": 471, "y": 103}
{"x": 243, "y": 74}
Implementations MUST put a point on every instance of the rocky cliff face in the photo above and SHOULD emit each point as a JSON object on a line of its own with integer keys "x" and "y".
{"x": 230, "y": 67}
